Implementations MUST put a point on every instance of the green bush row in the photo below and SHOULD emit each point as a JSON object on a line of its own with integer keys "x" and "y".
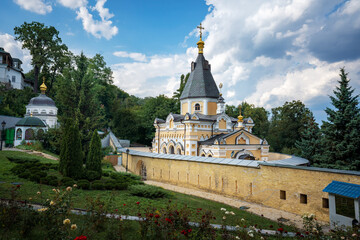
{"x": 147, "y": 191}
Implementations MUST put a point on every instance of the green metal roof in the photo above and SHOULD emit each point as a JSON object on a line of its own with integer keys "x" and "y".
{"x": 31, "y": 122}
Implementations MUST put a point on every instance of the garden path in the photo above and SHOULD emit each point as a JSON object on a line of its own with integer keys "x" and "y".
{"x": 33, "y": 152}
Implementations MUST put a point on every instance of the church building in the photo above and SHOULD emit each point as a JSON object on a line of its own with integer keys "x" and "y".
{"x": 203, "y": 128}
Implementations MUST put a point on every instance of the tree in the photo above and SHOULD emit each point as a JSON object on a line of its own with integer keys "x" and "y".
{"x": 309, "y": 144}
{"x": 71, "y": 155}
{"x": 183, "y": 81}
{"x": 93, "y": 161}
{"x": 258, "y": 114}
{"x": 13, "y": 101}
{"x": 44, "y": 44}
{"x": 287, "y": 123}
{"x": 341, "y": 142}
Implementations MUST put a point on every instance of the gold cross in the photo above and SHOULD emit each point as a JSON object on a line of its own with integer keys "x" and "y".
{"x": 200, "y": 28}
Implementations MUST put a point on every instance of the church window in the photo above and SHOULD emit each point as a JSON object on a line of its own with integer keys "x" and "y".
{"x": 43, "y": 111}
{"x": 178, "y": 151}
{"x": 13, "y": 79}
{"x": 35, "y": 111}
{"x": 282, "y": 195}
{"x": 164, "y": 150}
{"x": 171, "y": 150}
{"x": 18, "y": 134}
{"x": 325, "y": 203}
{"x": 29, "y": 134}
{"x": 303, "y": 198}
{"x": 197, "y": 107}
{"x": 203, "y": 155}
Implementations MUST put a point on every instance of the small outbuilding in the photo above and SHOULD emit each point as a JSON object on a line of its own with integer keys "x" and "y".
{"x": 27, "y": 128}
{"x": 343, "y": 203}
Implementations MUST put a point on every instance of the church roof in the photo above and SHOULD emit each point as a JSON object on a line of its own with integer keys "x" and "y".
{"x": 42, "y": 100}
{"x": 31, "y": 122}
{"x": 201, "y": 82}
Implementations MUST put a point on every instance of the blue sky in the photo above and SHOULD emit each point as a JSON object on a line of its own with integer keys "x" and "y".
{"x": 264, "y": 52}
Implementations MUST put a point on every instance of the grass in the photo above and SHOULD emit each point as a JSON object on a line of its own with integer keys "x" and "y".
{"x": 117, "y": 199}
{"x": 34, "y": 148}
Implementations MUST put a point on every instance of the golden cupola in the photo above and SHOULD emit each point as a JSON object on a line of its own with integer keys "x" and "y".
{"x": 43, "y": 86}
{"x": 200, "y": 43}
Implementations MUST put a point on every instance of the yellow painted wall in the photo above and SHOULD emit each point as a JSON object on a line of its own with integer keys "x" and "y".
{"x": 212, "y": 107}
{"x": 184, "y": 108}
{"x": 201, "y": 107}
{"x": 232, "y": 138}
{"x": 260, "y": 185}
{"x": 222, "y": 124}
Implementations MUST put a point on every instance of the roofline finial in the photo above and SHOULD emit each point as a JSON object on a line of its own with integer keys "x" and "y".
{"x": 200, "y": 43}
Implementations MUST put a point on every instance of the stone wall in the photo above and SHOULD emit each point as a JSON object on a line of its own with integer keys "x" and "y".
{"x": 260, "y": 184}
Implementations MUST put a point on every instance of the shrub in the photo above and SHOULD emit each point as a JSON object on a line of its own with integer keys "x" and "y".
{"x": 83, "y": 184}
{"x": 26, "y": 174}
{"x": 97, "y": 185}
{"x": 92, "y": 175}
{"x": 35, "y": 177}
{"x": 147, "y": 191}
{"x": 106, "y": 174}
{"x": 110, "y": 184}
{"x": 128, "y": 178}
{"x": 67, "y": 181}
{"x": 121, "y": 186}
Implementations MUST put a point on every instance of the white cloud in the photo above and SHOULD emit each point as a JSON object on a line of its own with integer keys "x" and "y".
{"x": 14, "y": 47}
{"x": 103, "y": 12}
{"x": 73, "y": 4}
{"x": 103, "y": 28}
{"x": 36, "y": 6}
{"x": 135, "y": 56}
{"x": 97, "y": 28}
{"x": 159, "y": 75}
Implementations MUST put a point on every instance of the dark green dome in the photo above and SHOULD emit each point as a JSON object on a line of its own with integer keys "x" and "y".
{"x": 31, "y": 122}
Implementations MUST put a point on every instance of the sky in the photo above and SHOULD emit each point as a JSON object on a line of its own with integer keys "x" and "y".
{"x": 264, "y": 52}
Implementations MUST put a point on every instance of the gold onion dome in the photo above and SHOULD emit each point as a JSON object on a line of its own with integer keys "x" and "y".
{"x": 43, "y": 86}
{"x": 200, "y": 43}
{"x": 240, "y": 117}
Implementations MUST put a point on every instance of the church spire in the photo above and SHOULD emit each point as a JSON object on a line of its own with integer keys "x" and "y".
{"x": 200, "y": 43}
{"x": 43, "y": 87}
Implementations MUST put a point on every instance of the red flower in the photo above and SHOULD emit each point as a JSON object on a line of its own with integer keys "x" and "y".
{"x": 124, "y": 204}
{"x": 307, "y": 233}
{"x": 116, "y": 210}
{"x": 151, "y": 215}
{"x": 189, "y": 230}
{"x": 157, "y": 216}
{"x": 137, "y": 203}
{"x": 280, "y": 229}
{"x": 168, "y": 220}
{"x": 271, "y": 226}
{"x": 82, "y": 237}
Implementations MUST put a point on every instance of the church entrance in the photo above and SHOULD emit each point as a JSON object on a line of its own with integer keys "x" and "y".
{"x": 171, "y": 150}
{"x": 141, "y": 169}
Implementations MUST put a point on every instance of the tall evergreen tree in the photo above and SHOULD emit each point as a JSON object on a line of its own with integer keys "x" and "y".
{"x": 71, "y": 155}
{"x": 309, "y": 144}
{"x": 93, "y": 161}
{"x": 341, "y": 131}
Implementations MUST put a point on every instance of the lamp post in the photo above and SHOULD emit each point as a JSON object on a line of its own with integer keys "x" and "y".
{"x": 127, "y": 158}
{"x": 2, "y": 133}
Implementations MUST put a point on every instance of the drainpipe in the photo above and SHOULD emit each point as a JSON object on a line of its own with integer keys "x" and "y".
{"x": 212, "y": 128}
{"x": 158, "y": 138}
{"x": 233, "y": 127}
{"x": 184, "y": 136}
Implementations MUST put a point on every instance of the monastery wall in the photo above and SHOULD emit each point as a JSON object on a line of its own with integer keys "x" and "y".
{"x": 254, "y": 184}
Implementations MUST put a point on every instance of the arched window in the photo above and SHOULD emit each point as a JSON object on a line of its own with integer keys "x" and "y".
{"x": 29, "y": 134}
{"x": 171, "y": 150}
{"x": 178, "y": 151}
{"x": 203, "y": 155}
{"x": 35, "y": 111}
{"x": 43, "y": 111}
{"x": 164, "y": 150}
{"x": 209, "y": 155}
{"x": 40, "y": 134}
{"x": 19, "y": 134}
{"x": 197, "y": 107}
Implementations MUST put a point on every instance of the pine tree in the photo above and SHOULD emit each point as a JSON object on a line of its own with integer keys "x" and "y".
{"x": 341, "y": 141}
{"x": 71, "y": 155}
{"x": 93, "y": 161}
{"x": 309, "y": 144}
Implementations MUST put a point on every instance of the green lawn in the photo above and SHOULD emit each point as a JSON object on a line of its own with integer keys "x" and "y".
{"x": 32, "y": 147}
{"x": 117, "y": 199}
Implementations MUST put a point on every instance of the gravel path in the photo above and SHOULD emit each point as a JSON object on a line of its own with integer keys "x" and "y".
{"x": 41, "y": 154}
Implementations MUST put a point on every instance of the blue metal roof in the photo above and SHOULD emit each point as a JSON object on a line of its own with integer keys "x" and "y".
{"x": 344, "y": 189}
